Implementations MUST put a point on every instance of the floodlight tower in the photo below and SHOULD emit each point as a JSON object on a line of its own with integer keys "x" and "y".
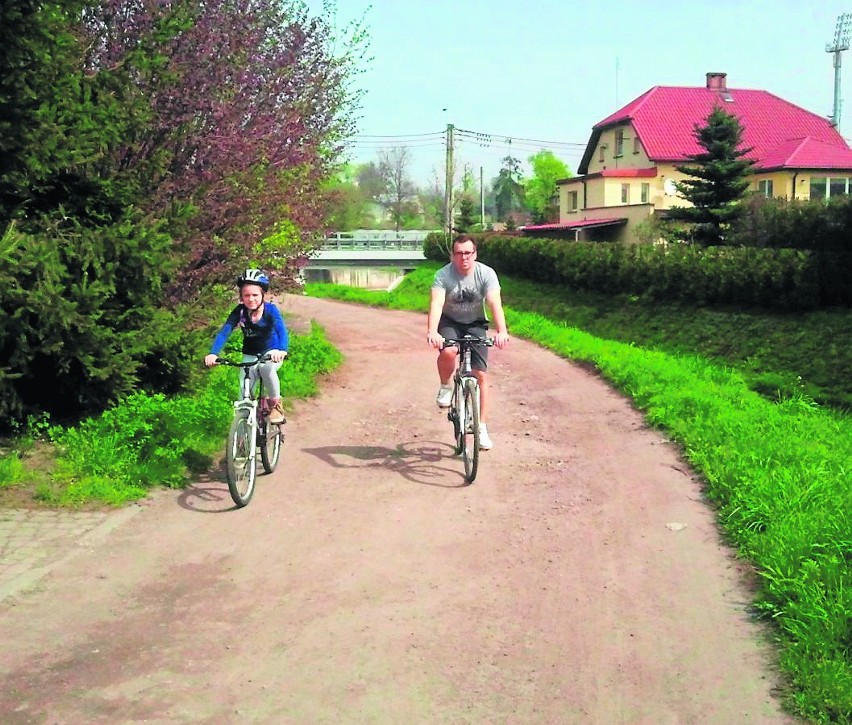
{"x": 841, "y": 43}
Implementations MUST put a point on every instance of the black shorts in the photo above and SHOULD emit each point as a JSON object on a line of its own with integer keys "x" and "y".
{"x": 456, "y": 330}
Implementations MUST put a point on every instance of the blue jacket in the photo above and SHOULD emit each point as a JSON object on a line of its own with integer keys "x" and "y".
{"x": 268, "y": 333}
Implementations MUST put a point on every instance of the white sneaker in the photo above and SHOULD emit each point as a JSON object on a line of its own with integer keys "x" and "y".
{"x": 485, "y": 442}
{"x": 445, "y": 397}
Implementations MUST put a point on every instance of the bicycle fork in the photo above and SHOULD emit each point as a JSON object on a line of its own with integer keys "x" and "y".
{"x": 248, "y": 408}
{"x": 464, "y": 416}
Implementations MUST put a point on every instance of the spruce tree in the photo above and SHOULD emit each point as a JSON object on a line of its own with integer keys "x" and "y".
{"x": 718, "y": 179}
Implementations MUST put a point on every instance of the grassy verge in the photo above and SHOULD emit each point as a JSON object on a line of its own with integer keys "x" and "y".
{"x": 147, "y": 440}
{"x": 778, "y": 472}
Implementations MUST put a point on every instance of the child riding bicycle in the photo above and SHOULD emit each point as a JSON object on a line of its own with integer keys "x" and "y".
{"x": 264, "y": 332}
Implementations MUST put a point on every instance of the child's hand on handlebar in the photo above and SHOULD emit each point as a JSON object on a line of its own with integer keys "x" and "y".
{"x": 211, "y": 360}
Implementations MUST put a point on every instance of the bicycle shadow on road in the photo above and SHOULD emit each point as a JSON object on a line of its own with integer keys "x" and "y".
{"x": 428, "y": 462}
{"x": 209, "y": 494}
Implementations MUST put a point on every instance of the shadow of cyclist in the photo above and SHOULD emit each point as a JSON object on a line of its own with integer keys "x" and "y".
{"x": 425, "y": 462}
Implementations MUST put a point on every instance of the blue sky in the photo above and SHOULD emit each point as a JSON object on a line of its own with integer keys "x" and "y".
{"x": 540, "y": 73}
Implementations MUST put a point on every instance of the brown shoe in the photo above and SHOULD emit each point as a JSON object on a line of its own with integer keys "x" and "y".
{"x": 276, "y": 411}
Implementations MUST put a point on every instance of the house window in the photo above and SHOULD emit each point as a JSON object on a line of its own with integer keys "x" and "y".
{"x": 625, "y": 193}
{"x": 645, "y": 193}
{"x": 764, "y": 186}
{"x": 838, "y": 186}
{"x": 826, "y": 187}
{"x": 637, "y": 147}
{"x": 572, "y": 201}
{"x": 619, "y": 142}
{"x": 601, "y": 152}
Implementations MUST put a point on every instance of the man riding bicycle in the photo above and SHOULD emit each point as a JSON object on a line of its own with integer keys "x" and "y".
{"x": 460, "y": 292}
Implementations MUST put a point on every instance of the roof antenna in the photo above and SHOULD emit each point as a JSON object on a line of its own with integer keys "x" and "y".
{"x": 841, "y": 43}
{"x": 616, "y": 81}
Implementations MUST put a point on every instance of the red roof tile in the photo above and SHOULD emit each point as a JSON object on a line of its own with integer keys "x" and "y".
{"x": 807, "y": 153}
{"x": 665, "y": 118}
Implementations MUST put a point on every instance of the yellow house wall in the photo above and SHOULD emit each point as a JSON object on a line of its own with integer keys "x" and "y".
{"x": 630, "y": 159}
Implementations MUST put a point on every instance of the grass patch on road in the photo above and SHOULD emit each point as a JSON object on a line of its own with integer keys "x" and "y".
{"x": 776, "y": 468}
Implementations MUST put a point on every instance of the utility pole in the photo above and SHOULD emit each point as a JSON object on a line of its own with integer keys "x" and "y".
{"x": 841, "y": 43}
{"x": 449, "y": 182}
{"x": 481, "y": 201}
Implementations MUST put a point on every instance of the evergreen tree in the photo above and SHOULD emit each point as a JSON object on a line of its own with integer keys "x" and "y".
{"x": 508, "y": 189}
{"x": 719, "y": 179}
{"x": 466, "y": 218}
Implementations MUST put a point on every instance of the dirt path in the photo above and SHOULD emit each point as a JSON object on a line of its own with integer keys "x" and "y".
{"x": 579, "y": 580}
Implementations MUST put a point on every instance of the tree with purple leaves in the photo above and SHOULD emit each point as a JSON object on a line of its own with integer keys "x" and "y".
{"x": 250, "y": 103}
{"x": 151, "y": 147}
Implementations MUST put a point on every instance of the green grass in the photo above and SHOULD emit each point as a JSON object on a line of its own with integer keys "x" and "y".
{"x": 778, "y": 354}
{"x": 11, "y": 469}
{"x": 152, "y": 440}
{"x": 778, "y": 469}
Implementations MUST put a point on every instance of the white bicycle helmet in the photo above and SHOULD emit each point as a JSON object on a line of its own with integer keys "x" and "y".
{"x": 254, "y": 276}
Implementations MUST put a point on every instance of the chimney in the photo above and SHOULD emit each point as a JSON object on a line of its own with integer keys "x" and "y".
{"x": 716, "y": 82}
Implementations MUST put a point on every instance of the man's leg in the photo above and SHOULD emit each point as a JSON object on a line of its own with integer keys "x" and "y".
{"x": 447, "y": 364}
{"x": 484, "y": 395}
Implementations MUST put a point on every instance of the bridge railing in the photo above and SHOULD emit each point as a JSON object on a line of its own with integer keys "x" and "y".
{"x": 375, "y": 240}
{"x": 370, "y": 245}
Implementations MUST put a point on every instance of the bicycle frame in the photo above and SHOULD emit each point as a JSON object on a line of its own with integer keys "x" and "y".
{"x": 247, "y": 428}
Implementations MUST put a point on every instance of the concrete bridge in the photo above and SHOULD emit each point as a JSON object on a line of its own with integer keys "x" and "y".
{"x": 370, "y": 247}
{"x": 370, "y": 258}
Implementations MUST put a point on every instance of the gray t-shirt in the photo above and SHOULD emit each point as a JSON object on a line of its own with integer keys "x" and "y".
{"x": 465, "y": 295}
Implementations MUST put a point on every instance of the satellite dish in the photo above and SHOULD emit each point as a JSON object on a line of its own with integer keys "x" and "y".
{"x": 669, "y": 187}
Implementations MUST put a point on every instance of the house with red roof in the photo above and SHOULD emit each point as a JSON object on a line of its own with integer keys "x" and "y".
{"x": 628, "y": 172}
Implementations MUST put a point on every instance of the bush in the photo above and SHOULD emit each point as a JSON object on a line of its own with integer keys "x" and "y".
{"x": 82, "y": 324}
{"x": 783, "y": 278}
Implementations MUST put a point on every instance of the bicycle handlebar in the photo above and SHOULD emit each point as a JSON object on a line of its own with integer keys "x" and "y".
{"x": 468, "y": 340}
{"x": 259, "y": 359}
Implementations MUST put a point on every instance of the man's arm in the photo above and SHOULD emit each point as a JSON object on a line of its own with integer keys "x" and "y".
{"x": 436, "y": 305}
{"x": 498, "y": 317}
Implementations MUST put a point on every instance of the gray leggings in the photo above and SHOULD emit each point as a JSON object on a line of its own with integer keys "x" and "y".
{"x": 268, "y": 372}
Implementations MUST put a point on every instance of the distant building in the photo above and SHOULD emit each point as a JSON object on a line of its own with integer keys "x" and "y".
{"x": 628, "y": 169}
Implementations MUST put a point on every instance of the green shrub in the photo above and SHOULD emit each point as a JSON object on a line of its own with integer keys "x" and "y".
{"x": 152, "y": 439}
{"x": 82, "y": 324}
{"x": 787, "y": 279}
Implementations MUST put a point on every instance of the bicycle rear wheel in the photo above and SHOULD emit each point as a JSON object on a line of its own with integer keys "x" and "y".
{"x": 470, "y": 431}
{"x": 241, "y": 458}
{"x": 270, "y": 438}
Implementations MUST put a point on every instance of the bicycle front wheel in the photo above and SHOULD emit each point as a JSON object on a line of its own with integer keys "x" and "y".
{"x": 456, "y": 414}
{"x": 241, "y": 458}
{"x": 470, "y": 431}
{"x": 270, "y": 438}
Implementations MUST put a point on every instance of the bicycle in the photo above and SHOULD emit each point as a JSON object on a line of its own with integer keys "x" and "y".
{"x": 464, "y": 409}
{"x": 250, "y": 433}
